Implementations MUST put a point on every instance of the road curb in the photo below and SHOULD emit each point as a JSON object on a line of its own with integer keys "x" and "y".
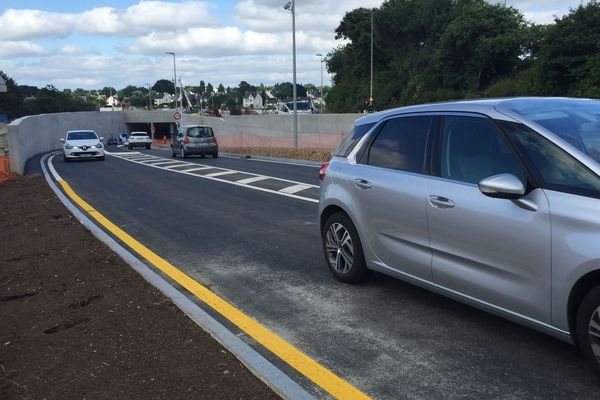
{"x": 256, "y": 363}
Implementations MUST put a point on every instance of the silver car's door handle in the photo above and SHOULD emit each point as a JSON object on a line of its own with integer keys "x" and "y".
{"x": 362, "y": 184}
{"x": 440, "y": 202}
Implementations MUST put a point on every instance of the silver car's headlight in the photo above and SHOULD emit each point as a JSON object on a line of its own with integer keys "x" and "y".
{"x": 99, "y": 146}
{"x": 68, "y": 146}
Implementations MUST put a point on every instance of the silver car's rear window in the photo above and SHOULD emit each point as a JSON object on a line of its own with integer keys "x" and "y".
{"x": 200, "y": 132}
{"x": 350, "y": 141}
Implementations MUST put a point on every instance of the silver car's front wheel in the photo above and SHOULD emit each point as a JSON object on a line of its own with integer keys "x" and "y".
{"x": 338, "y": 246}
{"x": 343, "y": 250}
{"x": 588, "y": 327}
{"x": 594, "y": 333}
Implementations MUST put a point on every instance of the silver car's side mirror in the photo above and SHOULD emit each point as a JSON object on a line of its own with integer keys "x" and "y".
{"x": 101, "y": 138}
{"x": 502, "y": 186}
{"x": 62, "y": 140}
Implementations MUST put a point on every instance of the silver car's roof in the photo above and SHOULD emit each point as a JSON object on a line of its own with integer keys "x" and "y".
{"x": 489, "y": 107}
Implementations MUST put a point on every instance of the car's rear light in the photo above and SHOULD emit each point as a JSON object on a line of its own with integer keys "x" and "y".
{"x": 214, "y": 140}
{"x": 186, "y": 140}
{"x": 323, "y": 170}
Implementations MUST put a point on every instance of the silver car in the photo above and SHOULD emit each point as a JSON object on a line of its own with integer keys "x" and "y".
{"x": 495, "y": 203}
{"x": 194, "y": 139}
{"x": 82, "y": 144}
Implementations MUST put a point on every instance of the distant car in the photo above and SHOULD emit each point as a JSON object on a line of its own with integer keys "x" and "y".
{"x": 139, "y": 139}
{"x": 287, "y": 108}
{"x": 492, "y": 202}
{"x": 82, "y": 144}
{"x": 112, "y": 141}
{"x": 194, "y": 139}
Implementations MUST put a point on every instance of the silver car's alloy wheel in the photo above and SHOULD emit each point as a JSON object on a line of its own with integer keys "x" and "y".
{"x": 594, "y": 333}
{"x": 339, "y": 248}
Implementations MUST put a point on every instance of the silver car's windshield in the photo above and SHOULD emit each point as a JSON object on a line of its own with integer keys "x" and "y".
{"x": 577, "y": 121}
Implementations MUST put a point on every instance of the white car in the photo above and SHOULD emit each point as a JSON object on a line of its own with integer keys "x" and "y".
{"x": 139, "y": 139}
{"x": 82, "y": 144}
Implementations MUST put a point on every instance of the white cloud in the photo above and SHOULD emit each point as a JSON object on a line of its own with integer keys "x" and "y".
{"x": 145, "y": 17}
{"x": 31, "y": 24}
{"x": 311, "y": 15}
{"x": 71, "y": 50}
{"x": 14, "y": 49}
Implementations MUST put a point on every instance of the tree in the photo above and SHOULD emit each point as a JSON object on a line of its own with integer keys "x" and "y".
{"x": 484, "y": 41}
{"x": 202, "y": 87}
{"x": 163, "y": 85}
{"x": 221, "y": 88}
{"x": 106, "y": 91}
{"x": 443, "y": 49}
{"x": 11, "y": 102}
{"x": 209, "y": 89}
{"x": 567, "y": 54}
{"x": 245, "y": 87}
{"x": 285, "y": 90}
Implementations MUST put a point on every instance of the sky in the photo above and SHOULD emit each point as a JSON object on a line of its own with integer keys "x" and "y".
{"x": 92, "y": 44}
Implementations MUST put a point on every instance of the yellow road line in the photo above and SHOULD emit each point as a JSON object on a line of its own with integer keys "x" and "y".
{"x": 320, "y": 375}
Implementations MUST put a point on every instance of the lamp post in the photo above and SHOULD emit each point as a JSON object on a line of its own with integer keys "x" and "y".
{"x": 291, "y": 5}
{"x": 371, "y": 89}
{"x": 174, "y": 77}
{"x": 321, "y": 55}
{"x": 149, "y": 97}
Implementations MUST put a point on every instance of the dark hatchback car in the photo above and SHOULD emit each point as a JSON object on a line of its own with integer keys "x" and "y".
{"x": 194, "y": 140}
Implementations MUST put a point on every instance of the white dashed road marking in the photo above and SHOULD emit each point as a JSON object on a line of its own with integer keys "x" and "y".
{"x": 287, "y": 188}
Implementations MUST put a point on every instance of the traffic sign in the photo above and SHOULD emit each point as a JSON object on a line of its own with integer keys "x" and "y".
{"x": 177, "y": 115}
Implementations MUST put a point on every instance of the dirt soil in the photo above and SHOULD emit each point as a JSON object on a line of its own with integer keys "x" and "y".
{"x": 77, "y": 322}
{"x": 301, "y": 154}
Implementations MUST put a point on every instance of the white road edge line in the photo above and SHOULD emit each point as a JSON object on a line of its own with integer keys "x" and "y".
{"x": 260, "y": 366}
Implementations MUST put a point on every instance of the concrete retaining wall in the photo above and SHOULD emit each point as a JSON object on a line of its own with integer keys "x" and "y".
{"x": 37, "y": 134}
{"x": 315, "y": 131}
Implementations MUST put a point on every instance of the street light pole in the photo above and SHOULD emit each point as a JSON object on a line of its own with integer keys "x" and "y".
{"x": 174, "y": 77}
{"x": 371, "y": 90}
{"x": 292, "y": 7}
{"x": 149, "y": 104}
{"x": 321, "y": 55}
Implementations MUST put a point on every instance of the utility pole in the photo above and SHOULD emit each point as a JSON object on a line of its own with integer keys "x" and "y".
{"x": 174, "y": 77}
{"x": 371, "y": 90}
{"x": 292, "y": 7}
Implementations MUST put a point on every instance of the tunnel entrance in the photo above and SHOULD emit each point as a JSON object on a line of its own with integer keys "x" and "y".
{"x": 162, "y": 129}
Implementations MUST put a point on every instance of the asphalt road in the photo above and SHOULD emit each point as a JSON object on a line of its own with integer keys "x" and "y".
{"x": 261, "y": 251}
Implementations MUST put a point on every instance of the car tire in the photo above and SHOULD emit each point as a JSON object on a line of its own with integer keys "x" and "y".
{"x": 130, "y": 147}
{"x": 588, "y": 319}
{"x": 343, "y": 249}
{"x": 100, "y": 158}
{"x": 148, "y": 147}
{"x": 183, "y": 153}
{"x": 67, "y": 159}
{"x": 173, "y": 154}
{"x": 215, "y": 155}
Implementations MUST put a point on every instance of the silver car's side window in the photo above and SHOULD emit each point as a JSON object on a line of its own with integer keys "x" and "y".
{"x": 400, "y": 144}
{"x": 472, "y": 148}
{"x": 556, "y": 169}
